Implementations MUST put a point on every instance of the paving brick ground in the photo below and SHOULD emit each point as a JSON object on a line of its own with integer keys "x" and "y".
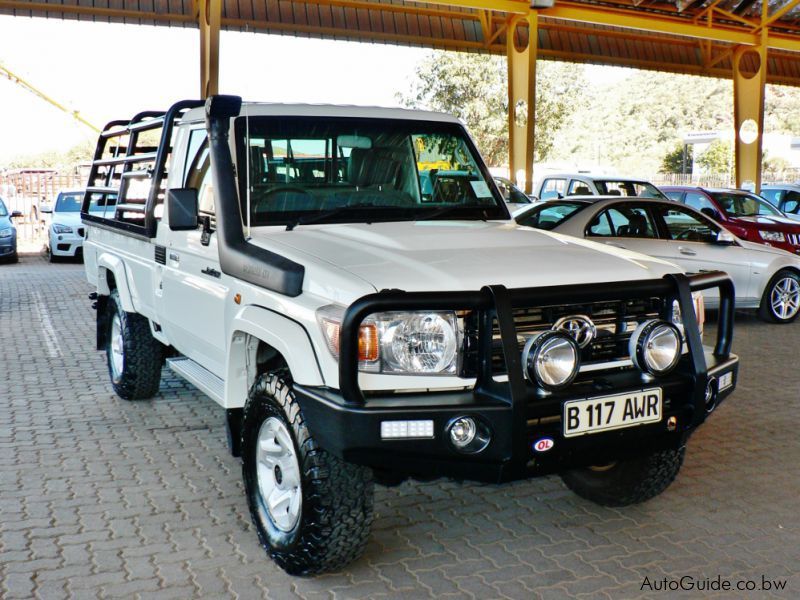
{"x": 102, "y": 498}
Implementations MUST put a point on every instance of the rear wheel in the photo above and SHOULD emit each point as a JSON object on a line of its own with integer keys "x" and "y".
{"x": 629, "y": 481}
{"x": 134, "y": 356}
{"x": 312, "y": 511}
{"x": 781, "y": 300}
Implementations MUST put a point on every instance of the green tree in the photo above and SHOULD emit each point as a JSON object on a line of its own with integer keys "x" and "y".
{"x": 474, "y": 88}
{"x": 718, "y": 158}
{"x": 69, "y": 159}
{"x": 673, "y": 160}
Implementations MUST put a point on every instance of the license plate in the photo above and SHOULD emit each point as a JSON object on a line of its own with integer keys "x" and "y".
{"x": 611, "y": 412}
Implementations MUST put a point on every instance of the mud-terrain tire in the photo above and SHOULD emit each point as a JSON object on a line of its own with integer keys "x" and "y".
{"x": 781, "y": 300}
{"x": 328, "y": 525}
{"x": 628, "y": 481}
{"x": 134, "y": 356}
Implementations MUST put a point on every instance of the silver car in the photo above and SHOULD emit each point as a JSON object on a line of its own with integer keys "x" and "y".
{"x": 767, "y": 279}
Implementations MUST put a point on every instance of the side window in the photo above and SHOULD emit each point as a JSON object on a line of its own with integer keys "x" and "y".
{"x": 578, "y": 188}
{"x": 791, "y": 202}
{"x": 698, "y": 201}
{"x": 623, "y": 221}
{"x": 674, "y": 196}
{"x": 687, "y": 226}
{"x": 553, "y": 188}
{"x": 198, "y": 176}
{"x": 774, "y": 196}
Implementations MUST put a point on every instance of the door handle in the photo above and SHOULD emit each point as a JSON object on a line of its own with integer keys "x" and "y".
{"x": 687, "y": 251}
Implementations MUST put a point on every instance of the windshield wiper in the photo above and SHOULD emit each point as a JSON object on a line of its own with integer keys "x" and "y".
{"x": 448, "y": 209}
{"x": 331, "y": 212}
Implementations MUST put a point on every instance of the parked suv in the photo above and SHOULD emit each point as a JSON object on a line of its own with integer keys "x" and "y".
{"x": 786, "y": 196}
{"x": 561, "y": 185}
{"x": 65, "y": 233}
{"x": 359, "y": 327}
{"x": 8, "y": 233}
{"x": 746, "y": 215}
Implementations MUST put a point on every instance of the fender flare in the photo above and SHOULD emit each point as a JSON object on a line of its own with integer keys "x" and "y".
{"x": 109, "y": 262}
{"x": 286, "y": 336}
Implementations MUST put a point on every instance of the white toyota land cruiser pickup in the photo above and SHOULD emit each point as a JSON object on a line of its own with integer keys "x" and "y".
{"x": 347, "y": 284}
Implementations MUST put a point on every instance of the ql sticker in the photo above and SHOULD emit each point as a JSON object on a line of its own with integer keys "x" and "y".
{"x": 543, "y": 445}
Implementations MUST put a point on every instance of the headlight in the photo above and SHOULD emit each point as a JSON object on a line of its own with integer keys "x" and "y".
{"x": 7, "y": 232}
{"x": 699, "y": 311}
{"x": 61, "y": 228}
{"x": 772, "y": 236}
{"x": 399, "y": 343}
{"x": 551, "y": 359}
{"x": 655, "y": 347}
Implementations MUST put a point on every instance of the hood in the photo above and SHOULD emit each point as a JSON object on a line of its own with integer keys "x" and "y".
{"x": 459, "y": 255}
{"x": 767, "y": 222}
{"x": 70, "y": 219}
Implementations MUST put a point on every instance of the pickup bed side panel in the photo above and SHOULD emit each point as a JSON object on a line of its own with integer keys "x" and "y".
{"x": 288, "y": 337}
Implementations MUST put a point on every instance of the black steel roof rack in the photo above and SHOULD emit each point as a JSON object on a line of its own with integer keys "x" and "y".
{"x": 127, "y": 181}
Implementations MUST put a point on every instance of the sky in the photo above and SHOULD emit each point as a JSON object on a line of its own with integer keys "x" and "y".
{"x": 111, "y": 71}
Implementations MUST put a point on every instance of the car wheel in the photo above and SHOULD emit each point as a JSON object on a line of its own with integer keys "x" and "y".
{"x": 312, "y": 511}
{"x": 781, "y": 300}
{"x": 134, "y": 356}
{"x": 626, "y": 482}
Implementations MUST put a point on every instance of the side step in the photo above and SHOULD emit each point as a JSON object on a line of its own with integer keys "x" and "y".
{"x": 199, "y": 376}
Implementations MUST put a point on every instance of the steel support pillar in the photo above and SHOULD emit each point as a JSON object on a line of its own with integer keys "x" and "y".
{"x": 209, "y": 17}
{"x": 522, "y": 98}
{"x": 748, "y": 110}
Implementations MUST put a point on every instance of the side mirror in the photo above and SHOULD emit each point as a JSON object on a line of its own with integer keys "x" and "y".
{"x": 182, "y": 209}
{"x": 725, "y": 237}
{"x": 45, "y": 209}
{"x": 710, "y": 212}
{"x": 16, "y": 214}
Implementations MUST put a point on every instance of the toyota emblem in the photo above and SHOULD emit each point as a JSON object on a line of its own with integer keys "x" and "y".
{"x": 579, "y": 327}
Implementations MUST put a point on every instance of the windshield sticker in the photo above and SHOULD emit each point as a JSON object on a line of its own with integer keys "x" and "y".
{"x": 481, "y": 189}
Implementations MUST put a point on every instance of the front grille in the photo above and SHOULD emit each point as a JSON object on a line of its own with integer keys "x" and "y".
{"x": 615, "y": 322}
{"x": 794, "y": 239}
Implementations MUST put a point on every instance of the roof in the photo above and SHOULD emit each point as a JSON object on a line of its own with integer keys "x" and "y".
{"x": 262, "y": 109}
{"x": 685, "y": 36}
{"x": 595, "y": 177}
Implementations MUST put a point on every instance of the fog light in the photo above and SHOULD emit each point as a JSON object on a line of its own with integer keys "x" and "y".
{"x": 711, "y": 394}
{"x": 551, "y": 359}
{"x": 655, "y": 347}
{"x": 468, "y": 435}
{"x": 398, "y": 430}
{"x": 725, "y": 381}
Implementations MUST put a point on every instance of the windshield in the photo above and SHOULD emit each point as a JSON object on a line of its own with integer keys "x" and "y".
{"x": 641, "y": 189}
{"x": 744, "y": 205}
{"x": 69, "y": 202}
{"x": 550, "y": 215}
{"x": 360, "y": 170}
{"x": 3, "y": 211}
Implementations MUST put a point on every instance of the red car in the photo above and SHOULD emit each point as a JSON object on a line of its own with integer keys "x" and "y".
{"x": 746, "y": 215}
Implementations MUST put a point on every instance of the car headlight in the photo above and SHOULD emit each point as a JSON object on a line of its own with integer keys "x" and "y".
{"x": 551, "y": 359}
{"x": 699, "y": 311}
{"x": 655, "y": 347}
{"x": 399, "y": 343}
{"x": 772, "y": 236}
{"x": 7, "y": 232}
{"x": 57, "y": 228}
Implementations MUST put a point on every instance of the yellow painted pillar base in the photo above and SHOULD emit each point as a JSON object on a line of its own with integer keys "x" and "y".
{"x": 522, "y": 99}
{"x": 209, "y": 17}
{"x": 748, "y": 110}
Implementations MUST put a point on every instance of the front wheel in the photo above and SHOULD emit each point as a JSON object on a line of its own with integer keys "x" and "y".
{"x": 781, "y": 300}
{"x": 134, "y": 356}
{"x": 629, "y": 481}
{"x": 312, "y": 511}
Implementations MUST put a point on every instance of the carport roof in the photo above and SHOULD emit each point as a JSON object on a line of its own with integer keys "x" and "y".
{"x": 685, "y": 36}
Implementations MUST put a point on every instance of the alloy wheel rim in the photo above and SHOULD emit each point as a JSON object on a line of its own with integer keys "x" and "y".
{"x": 785, "y": 298}
{"x": 117, "y": 346}
{"x": 278, "y": 474}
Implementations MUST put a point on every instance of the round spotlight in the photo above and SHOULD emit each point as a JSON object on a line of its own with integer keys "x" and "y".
{"x": 551, "y": 359}
{"x": 468, "y": 435}
{"x": 655, "y": 347}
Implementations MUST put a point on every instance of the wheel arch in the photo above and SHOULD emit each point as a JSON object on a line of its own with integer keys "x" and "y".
{"x": 262, "y": 340}
{"x": 111, "y": 274}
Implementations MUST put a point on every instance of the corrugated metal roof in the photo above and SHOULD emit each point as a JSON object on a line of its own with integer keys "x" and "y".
{"x": 461, "y": 28}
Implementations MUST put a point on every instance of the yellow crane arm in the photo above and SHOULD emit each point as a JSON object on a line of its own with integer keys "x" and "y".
{"x": 13, "y": 77}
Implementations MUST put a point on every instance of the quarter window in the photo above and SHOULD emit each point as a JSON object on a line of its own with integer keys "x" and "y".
{"x": 623, "y": 221}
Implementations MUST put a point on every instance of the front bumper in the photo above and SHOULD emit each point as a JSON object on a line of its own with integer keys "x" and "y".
{"x": 348, "y": 423}
{"x": 66, "y": 244}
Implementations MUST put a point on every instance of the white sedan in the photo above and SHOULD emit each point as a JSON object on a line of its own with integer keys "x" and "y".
{"x": 765, "y": 278}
